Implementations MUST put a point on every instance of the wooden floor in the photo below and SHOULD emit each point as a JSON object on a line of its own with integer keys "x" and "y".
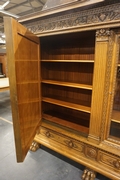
{"x": 4, "y": 84}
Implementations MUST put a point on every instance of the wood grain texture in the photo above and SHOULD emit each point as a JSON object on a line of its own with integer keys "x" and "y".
{"x": 76, "y": 81}
{"x": 23, "y": 63}
{"x": 98, "y": 90}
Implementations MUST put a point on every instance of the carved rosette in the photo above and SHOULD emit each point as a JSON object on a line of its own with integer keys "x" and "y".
{"x": 91, "y": 152}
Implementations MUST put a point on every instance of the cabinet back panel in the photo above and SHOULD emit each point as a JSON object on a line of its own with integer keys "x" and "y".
{"x": 67, "y": 53}
{"x": 73, "y": 46}
{"x": 68, "y": 94}
{"x": 68, "y": 72}
{"x": 66, "y": 114}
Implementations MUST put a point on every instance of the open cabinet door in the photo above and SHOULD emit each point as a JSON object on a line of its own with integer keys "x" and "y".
{"x": 23, "y": 49}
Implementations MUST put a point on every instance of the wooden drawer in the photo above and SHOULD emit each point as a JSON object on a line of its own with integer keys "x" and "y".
{"x": 62, "y": 139}
{"x": 109, "y": 160}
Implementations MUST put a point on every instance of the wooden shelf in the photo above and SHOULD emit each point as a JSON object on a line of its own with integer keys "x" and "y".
{"x": 69, "y": 61}
{"x": 116, "y": 116}
{"x": 68, "y": 84}
{"x": 66, "y": 123}
{"x": 67, "y": 104}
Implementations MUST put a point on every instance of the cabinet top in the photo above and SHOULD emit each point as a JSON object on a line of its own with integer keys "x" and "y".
{"x": 74, "y": 16}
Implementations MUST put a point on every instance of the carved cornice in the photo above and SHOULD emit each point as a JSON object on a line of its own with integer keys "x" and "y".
{"x": 109, "y": 14}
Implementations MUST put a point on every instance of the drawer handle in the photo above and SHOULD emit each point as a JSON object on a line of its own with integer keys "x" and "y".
{"x": 116, "y": 164}
{"x": 70, "y": 144}
{"x": 47, "y": 134}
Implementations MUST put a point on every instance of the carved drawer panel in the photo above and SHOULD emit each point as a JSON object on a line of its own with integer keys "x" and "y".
{"x": 110, "y": 160}
{"x": 62, "y": 139}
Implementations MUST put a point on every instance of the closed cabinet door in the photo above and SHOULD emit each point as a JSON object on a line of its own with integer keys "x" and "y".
{"x": 114, "y": 131}
{"x": 110, "y": 126}
{"x": 24, "y": 77}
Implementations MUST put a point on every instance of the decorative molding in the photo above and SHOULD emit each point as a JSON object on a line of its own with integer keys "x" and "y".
{"x": 109, "y": 160}
{"x": 107, "y": 83}
{"x": 91, "y": 152}
{"x": 116, "y": 164}
{"x": 109, "y": 92}
{"x": 67, "y": 20}
{"x": 102, "y": 34}
{"x": 113, "y": 90}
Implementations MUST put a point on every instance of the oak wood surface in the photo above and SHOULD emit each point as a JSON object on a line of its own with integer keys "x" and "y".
{"x": 23, "y": 62}
{"x": 81, "y": 73}
{"x": 69, "y": 61}
{"x": 69, "y": 84}
{"x": 67, "y": 104}
{"x": 73, "y": 125}
{"x": 71, "y": 75}
{"x": 98, "y": 90}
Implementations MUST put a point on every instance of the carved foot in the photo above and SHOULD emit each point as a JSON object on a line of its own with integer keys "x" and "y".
{"x": 88, "y": 174}
{"x": 34, "y": 146}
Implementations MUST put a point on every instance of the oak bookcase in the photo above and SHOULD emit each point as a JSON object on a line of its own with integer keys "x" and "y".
{"x": 65, "y": 90}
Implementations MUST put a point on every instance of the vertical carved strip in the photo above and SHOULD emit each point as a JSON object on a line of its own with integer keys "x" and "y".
{"x": 102, "y": 70}
{"x": 111, "y": 79}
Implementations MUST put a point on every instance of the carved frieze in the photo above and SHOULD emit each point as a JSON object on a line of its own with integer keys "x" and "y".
{"x": 68, "y": 20}
{"x": 109, "y": 160}
{"x": 82, "y": 148}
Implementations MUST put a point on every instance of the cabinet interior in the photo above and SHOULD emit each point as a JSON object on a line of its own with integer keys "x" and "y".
{"x": 67, "y": 64}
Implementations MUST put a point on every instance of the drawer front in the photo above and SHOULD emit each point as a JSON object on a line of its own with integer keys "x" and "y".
{"x": 62, "y": 139}
{"x": 109, "y": 160}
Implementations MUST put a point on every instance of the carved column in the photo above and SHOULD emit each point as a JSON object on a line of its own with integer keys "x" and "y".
{"x": 102, "y": 70}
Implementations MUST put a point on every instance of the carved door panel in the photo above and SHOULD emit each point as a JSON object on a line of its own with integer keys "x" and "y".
{"x": 24, "y": 76}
